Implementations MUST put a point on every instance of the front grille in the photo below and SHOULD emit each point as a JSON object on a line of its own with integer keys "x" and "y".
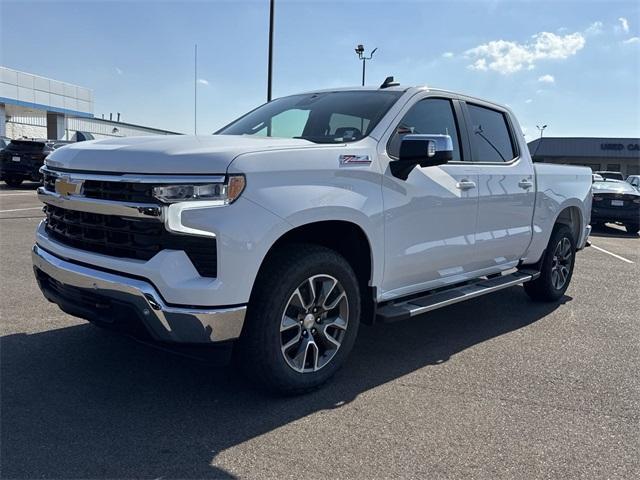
{"x": 127, "y": 238}
{"x": 109, "y": 190}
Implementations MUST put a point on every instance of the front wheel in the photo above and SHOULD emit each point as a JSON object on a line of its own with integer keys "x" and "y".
{"x": 556, "y": 267}
{"x": 13, "y": 182}
{"x": 302, "y": 319}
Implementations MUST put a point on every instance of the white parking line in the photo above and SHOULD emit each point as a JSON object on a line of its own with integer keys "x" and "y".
{"x": 12, "y": 194}
{"x": 612, "y": 254}
{"x": 21, "y": 209}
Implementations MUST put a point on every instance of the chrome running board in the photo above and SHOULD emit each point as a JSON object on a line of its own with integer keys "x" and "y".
{"x": 403, "y": 309}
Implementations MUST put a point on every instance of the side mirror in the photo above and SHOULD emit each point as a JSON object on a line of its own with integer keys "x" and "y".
{"x": 423, "y": 150}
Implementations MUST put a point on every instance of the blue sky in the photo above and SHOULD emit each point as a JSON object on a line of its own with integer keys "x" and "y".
{"x": 574, "y": 65}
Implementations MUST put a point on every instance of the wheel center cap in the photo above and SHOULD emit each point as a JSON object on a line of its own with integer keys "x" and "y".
{"x": 309, "y": 320}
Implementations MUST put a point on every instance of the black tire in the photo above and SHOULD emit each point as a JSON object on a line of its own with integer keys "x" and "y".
{"x": 259, "y": 350}
{"x": 632, "y": 228}
{"x": 546, "y": 287}
{"x": 13, "y": 182}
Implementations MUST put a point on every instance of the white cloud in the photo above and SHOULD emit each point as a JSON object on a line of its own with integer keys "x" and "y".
{"x": 528, "y": 100}
{"x": 119, "y": 71}
{"x": 447, "y": 54}
{"x": 547, "y": 79}
{"x": 631, "y": 41}
{"x": 594, "y": 29}
{"x": 508, "y": 57}
{"x": 624, "y": 24}
{"x": 202, "y": 81}
{"x": 480, "y": 64}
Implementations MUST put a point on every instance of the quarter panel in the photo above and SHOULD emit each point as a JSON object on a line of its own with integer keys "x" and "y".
{"x": 558, "y": 187}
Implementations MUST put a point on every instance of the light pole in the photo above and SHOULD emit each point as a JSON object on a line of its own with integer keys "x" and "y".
{"x": 195, "y": 90}
{"x": 270, "y": 67}
{"x": 361, "y": 56}
{"x": 541, "y": 128}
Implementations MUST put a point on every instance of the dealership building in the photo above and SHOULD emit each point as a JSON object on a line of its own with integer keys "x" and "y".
{"x": 32, "y": 106}
{"x": 613, "y": 154}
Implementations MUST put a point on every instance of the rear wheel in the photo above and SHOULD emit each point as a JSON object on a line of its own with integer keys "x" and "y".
{"x": 632, "y": 227}
{"x": 556, "y": 267}
{"x": 302, "y": 320}
{"x": 13, "y": 182}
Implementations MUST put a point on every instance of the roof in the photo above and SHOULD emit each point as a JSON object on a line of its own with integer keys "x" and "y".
{"x": 411, "y": 90}
{"x": 594, "y": 147}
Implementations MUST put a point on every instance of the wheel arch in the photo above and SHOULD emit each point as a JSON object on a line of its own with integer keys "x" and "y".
{"x": 571, "y": 216}
{"x": 345, "y": 237}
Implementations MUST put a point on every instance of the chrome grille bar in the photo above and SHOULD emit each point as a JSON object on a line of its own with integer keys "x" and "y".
{"x": 104, "y": 207}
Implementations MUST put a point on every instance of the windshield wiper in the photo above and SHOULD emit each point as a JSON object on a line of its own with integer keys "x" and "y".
{"x": 319, "y": 139}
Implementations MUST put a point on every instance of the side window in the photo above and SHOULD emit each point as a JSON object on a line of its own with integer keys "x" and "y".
{"x": 432, "y": 116}
{"x": 490, "y": 135}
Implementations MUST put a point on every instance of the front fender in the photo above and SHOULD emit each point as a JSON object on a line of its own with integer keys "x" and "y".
{"x": 307, "y": 187}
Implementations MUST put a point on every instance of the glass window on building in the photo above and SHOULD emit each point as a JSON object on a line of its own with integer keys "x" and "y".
{"x": 613, "y": 167}
{"x": 593, "y": 166}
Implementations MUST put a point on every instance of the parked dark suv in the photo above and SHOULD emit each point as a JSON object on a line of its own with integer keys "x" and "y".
{"x": 21, "y": 160}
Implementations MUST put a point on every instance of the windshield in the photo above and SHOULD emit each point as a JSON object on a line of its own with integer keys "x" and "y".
{"x": 611, "y": 175}
{"x": 614, "y": 185}
{"x": 328, "y": 117}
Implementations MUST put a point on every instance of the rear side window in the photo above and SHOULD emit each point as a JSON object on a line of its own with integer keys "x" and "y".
{"x": 490, "y": 135}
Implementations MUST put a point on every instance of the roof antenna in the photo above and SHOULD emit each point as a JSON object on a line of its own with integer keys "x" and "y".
{"x": 388, "y": 82}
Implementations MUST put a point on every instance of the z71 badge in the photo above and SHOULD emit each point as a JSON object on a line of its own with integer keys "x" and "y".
{"x": 346, "y": 160}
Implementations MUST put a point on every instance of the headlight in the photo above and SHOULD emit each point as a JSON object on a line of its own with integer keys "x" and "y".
{"x": 225, "y": 193}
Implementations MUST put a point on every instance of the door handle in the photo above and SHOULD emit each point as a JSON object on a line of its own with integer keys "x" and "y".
{"x": 466, "y": 184}
{"x": 525, "y": 183}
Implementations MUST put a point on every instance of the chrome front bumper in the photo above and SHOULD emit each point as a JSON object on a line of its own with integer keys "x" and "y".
{"x": 94, "y": 294}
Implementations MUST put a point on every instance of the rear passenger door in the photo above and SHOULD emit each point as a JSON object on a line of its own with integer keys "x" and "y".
{"x": 506, "y": 187}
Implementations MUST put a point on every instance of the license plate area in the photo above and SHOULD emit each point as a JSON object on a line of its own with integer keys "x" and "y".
{"x": 15, "y": 159}
{"x": 617, "y": 203}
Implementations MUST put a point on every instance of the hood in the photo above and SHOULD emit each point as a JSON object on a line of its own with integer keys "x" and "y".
{"x": 165, "y": 154}
{"x": 619, "y": 187}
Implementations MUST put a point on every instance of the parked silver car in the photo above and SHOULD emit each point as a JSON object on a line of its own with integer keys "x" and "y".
{"x": 634, "y": 180}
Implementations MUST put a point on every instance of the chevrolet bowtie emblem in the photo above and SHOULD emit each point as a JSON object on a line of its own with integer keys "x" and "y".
{"x": 66, "y": 186}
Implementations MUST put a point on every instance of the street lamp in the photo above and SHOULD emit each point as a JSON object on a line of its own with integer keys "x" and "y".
{"x": 541, "y": 128}
{"x": 361, "y": 56}
{"x": 270, "y": 61}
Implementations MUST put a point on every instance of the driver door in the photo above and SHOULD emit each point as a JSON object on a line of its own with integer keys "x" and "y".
{"x": 430, "y": 218}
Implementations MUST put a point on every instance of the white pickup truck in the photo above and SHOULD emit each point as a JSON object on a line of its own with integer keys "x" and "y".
{"x": 309, "y": 215}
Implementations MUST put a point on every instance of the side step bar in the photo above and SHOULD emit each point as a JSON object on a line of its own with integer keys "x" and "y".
{"x": 402, "y": 310}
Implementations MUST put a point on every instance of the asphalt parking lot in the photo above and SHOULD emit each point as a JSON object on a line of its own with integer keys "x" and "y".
{"x": 497, "y": 387}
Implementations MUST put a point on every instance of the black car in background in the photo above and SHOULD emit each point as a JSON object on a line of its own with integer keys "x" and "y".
{"x": 616, "y": 201}
{"x": 21, "y": 160}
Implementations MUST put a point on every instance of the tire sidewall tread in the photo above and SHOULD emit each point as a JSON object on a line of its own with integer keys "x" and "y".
{"x": 541, "y": 289}
{"x": 259, "y": 345}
